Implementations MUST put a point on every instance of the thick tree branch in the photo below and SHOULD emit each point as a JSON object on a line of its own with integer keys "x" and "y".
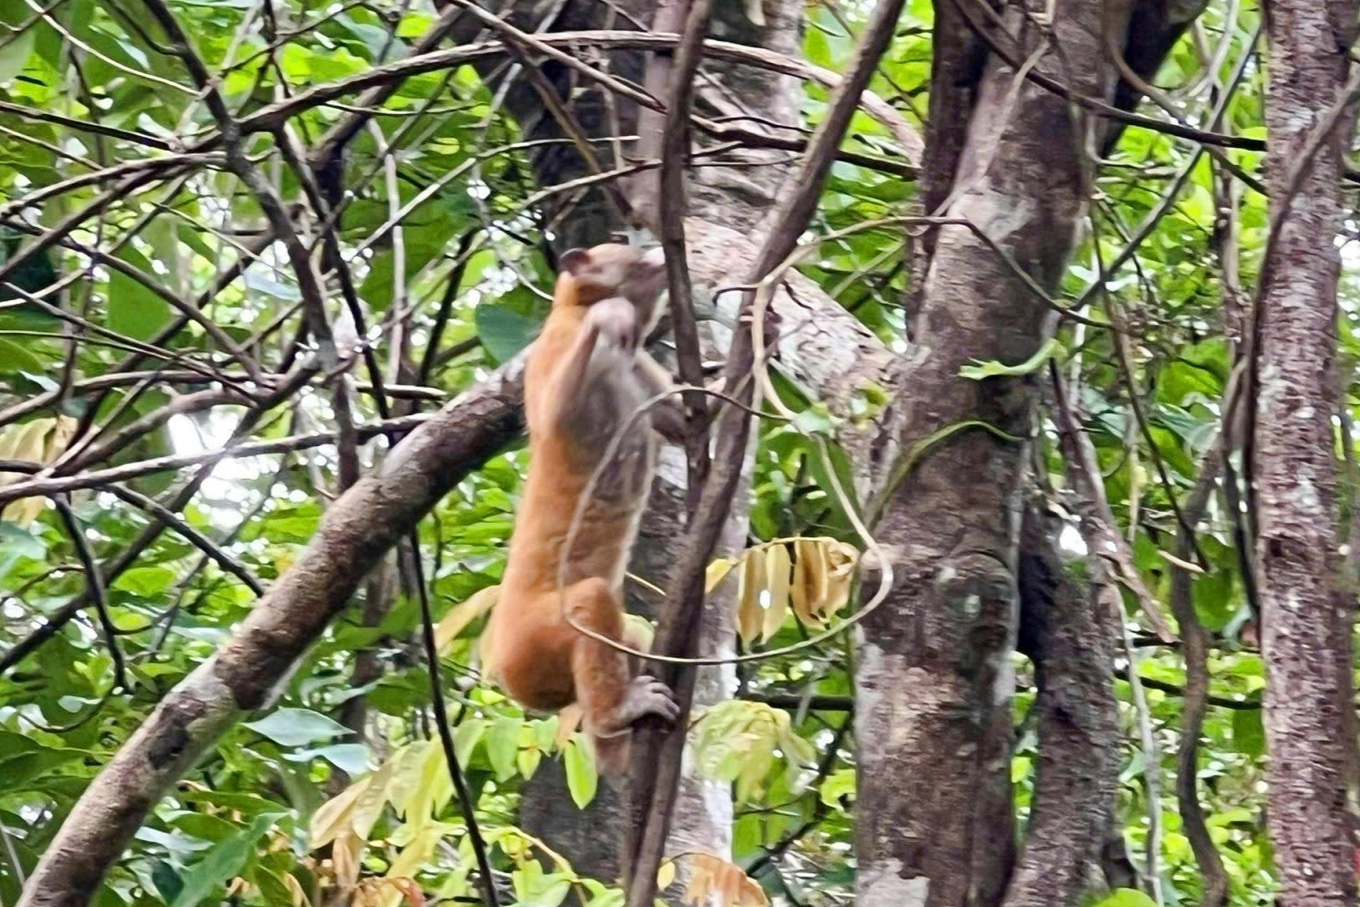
{"x": 244, "y": 675}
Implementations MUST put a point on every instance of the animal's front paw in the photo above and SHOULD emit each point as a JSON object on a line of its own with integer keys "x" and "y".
{"x": 649, "y": 696}
{"x": 615, "y": 320}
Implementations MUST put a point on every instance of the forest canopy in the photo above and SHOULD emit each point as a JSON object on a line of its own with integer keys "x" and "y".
{"x": 1017, "y": 565}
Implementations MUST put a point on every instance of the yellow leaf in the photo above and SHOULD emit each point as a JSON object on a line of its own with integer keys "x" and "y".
{"x": 777, "y": 570}
{"x": 812, "y": 580}
{"x": 26, "y": 441}
{"x": 434, "y": 788}
{"x": 716, "y": 572}
{"x": 416, "y": 854}
{"x": 751, "y": 582}
{"x": 294, "y": 887}
{"x": 61, "y": 435}
{"x": 841, "y": 560}
{"x": 665, "y": 875}
{"x": 462, "y": 614}
{"x": 407, "y": 762}
{"x": 334, "y": 816}
{"x": 370, "y": 805}
{"x": 345, "y": 857}
{"x": 409, "y": 890}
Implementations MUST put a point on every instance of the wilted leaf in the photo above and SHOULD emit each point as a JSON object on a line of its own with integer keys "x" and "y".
{"x": 335, "y": 816}
{"x": 778, "y": 566}
{"x": 462, "y": 614}
{"x": 716, "y": 572}
{"x": 751, "y": 583}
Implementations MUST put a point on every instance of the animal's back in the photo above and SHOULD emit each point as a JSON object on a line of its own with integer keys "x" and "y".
{"x": 562, "y": 459}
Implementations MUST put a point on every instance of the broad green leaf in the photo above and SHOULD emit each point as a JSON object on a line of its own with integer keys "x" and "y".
{"x": 15, "y": 53}
{"x": 15, "y": 358}
{"x": 1249, "y": 736}
{"x": 582, "y": 780}
{"x": 135, "y": 310}
{"x": 351, "y": 758}
{"x": 504, "y": 332}
{"x": 297, "y": 727}
{"x": 502, "y": 746}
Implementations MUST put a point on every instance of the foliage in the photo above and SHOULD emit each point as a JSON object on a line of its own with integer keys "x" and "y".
{"x": 104, "y": 378}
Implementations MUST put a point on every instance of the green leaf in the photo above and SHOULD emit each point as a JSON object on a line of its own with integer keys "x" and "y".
{"x": 1249, "y": 735}
{"x": 350, "y": 758}
{"x": 222, "y": 863}
{"x": 535, "y": 888}
{"x": 582, "y": 780}
{"x": 15, "y": 359}
{"x": 14, "y": 55}
{"x": 297, "y": 727}
{"x": 1127, "y": 897}
{"x": 146, "y": 582}
{"x": 272, "y": 886}
{"x": 502, "y": 746}
{"x": 168, "y": 882}
{"x": 134, "y": 309}
{"x": 504, "y": 332}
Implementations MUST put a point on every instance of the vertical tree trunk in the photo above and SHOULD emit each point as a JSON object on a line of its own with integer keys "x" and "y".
{"x": 1306, "y": 624}
{"x": 734, "y": 197}
{"x": 934, "y": 681}
{"x": 1069, "y": 635}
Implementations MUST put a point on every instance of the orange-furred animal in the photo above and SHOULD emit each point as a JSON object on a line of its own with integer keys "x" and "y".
{"x": 586, "y": 375}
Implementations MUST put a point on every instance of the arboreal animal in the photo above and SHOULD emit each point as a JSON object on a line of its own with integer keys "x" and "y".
{"x": 585, "y": 377}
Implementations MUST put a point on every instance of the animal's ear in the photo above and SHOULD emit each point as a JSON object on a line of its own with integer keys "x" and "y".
{"x": 573, "y": 260}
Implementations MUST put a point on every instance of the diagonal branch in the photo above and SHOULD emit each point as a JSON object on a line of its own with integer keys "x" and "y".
{"x": 245, "y": 672}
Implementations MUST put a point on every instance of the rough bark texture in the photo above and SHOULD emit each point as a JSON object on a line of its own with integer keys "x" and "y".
{"x": 933, "y": 678}
{"x": 1306, "y": 627}
{"x": 1069, "y": 637}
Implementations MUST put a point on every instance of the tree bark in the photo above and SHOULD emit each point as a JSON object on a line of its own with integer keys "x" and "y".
{"x": 933, "y": 679}
{"x": 1306, "y": 623}
{"x": 1068, "y": 635}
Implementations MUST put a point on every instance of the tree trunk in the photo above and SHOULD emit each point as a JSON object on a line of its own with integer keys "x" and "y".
{"x": 933, "y": 679}
{"x": 1306, "y": 623}
{"x": 720, "y": 195}
{"x": 1069, "y": 636}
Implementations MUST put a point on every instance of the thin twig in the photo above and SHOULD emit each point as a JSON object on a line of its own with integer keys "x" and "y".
{"x": 655, "y": 770}
{"x": 441, "y": 720}
{"x": 94, "y": 588}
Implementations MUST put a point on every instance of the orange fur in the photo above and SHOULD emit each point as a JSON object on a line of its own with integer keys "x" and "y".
{"x": 582, "y": 381}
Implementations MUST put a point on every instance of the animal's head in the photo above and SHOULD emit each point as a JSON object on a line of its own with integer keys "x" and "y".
{"x": 612, "y": 269}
